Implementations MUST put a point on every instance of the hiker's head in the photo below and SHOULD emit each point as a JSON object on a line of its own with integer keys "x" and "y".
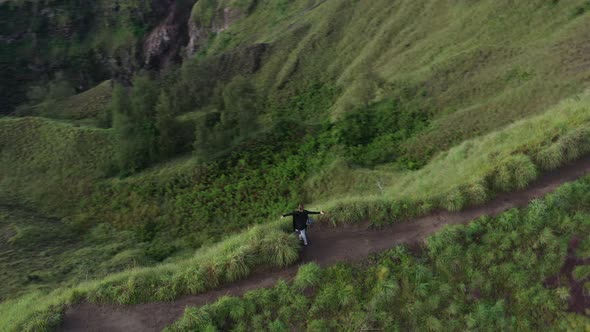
{"x": 300, "y": 207}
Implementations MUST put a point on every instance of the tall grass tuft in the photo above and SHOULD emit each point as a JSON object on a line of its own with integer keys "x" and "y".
{"x": 279, "y": 249}
{"x": 349, "y": 211}
{"x": 379, "y": 211}
{"x": 454, "y": 200}
{"x": 477, "y": 193}
{"x": 170, "y": 289}
{"x": 194, "y": 319}
{"x": 191, "y": 280}
{"x": 514, "y": 172}
{"x": 237, "y": 263}
{"x": 308, "y": 275}
{"x": 550, "y": 157}
{"x": 576, "y": 143}
{"x": 385, "y": 295}
{"x": 45, "y": 321}
{"x": 404, "y": 209}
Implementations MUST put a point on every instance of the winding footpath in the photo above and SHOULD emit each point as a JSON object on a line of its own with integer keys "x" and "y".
{"x": 328, "y": 245}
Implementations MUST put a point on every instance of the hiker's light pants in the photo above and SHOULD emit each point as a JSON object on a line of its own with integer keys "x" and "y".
{"x": 302, "y": 236}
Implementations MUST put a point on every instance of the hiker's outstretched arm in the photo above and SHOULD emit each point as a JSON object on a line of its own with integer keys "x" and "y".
{"x": 313, "y": 212}
{"x": 288, "y": 214}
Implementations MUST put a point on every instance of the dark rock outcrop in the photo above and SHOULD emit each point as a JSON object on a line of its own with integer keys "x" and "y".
{"x": 172, "y": 34}
{"x": 198, "y": 34}
{"x": 162, "y": 45}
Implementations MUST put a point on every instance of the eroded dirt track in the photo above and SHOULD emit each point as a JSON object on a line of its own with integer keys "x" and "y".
{"x": 328, "y": 245}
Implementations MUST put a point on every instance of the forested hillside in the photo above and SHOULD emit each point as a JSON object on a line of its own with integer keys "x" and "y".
{"x": 140, "y": 142}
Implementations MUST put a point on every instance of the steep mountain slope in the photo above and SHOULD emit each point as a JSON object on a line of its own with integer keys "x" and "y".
{"x": 447, "y": 70}
{"x": 178, "y": 123}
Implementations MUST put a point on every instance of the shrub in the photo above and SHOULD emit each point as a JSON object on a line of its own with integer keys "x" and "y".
{"x": 237, "y": 263}
{"x": 349, "y": 211}
{"x": 279, "y": 249}
{"x": 385, "y": 295}
{"x": 45, "y": 321}
{"x": 569, "y": 147}
{"x": 169, "y": 289}
{"x": 277, "y": 326}
{"x": 476, "y": 193}
{"x": 403, "y": 209}
{"x": 158, "y": 250}
{"x": 192, "y": 280}
{"x": 550, "y": 157}
{"x": 379, "y": 212}
{"x": 454, "y": 200}
{"x": 332, "y": 298}
{"x": 514, "y": 172}
{"x": 575, "y": 143}
{"x": 226, "y": 306}
{"x": 308, "y": 275}
{"x": 194, "y": 319}
{"x": 372, "y": 134}
{"x": 318, "y": 325}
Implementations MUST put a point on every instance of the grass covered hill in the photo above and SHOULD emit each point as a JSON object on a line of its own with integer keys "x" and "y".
{"x": 147, "y": 152}
{"x": 374, "y": 84}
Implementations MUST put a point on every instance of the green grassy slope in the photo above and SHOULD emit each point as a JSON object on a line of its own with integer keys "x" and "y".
{"x": 469, "y": 173}
{"x": 90, "y": 107}
{"x": 480, "y": 65}
{"x": 43, "y": 254}
{"x": 46, "y": 161}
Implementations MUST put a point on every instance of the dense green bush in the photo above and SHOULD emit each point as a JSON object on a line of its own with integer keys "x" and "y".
{"x": 133, "y": 125}
{"x": 373, "y": 134}
{"x": 144, "y": 125}
{"x": 308, "y": 275}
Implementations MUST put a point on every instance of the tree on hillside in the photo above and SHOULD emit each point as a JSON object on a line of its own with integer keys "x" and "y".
{"x": 134, "y": 124}
{"x": 194, "y": 89}
{"x": 209, "y": 134}
{"x": 124, "y": 129}
{"x": 164, "y": 123}
{"x": 239, "y": 102}
{"x": 144, "y": 97}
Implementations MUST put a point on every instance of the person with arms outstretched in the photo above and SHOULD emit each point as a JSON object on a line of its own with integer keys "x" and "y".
{"x": 300, "y": 221}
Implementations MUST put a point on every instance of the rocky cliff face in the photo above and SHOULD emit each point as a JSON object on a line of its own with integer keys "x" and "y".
{"x": 179, "y": 31}
{"x": 199, "y": 33}
{"x": 163, "y": 44}
{"x": 94, "y": 41}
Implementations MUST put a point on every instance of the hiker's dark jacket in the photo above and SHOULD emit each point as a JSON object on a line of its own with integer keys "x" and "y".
{"x": 300, "y": 218}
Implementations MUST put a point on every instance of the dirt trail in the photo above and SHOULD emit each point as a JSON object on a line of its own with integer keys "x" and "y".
{"x": 328, "y": 245}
